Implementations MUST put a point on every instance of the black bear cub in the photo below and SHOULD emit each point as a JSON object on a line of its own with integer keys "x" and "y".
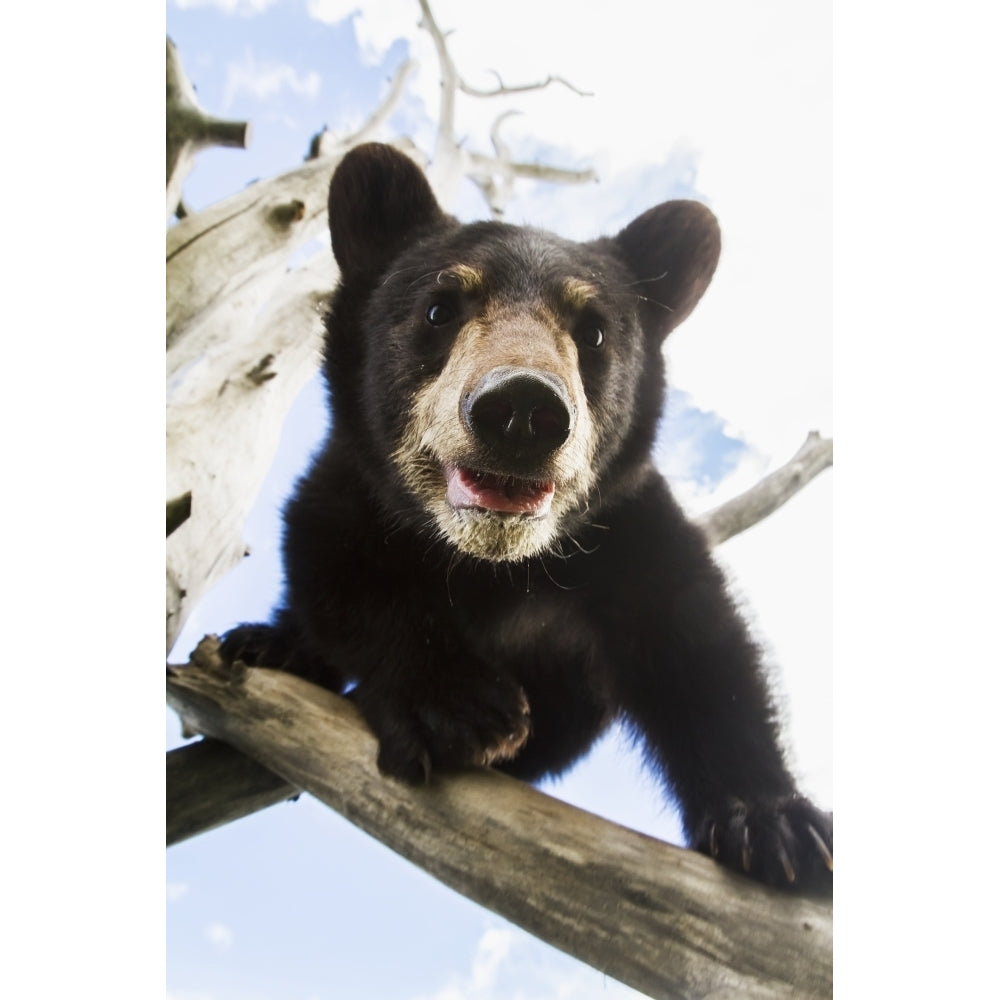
{"x": 483, "y": 552}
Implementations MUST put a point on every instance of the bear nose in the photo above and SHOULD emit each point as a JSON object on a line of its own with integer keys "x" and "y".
{"x": 519, "y": 412}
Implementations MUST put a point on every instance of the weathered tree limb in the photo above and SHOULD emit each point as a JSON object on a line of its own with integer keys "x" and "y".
{"x": 224, "y": 421}
{"x": 209, "y": 784}
{"x": 765, "y": 497}
{"x": 190, "y": 128}
{"x": 223, "y": 251}
{"x": 235, "y": 251}
{"x": 243, "y": 335}
{"x": 495, "y": 175}
{"x": 502, "y": 89}
{"x": 667, "y": 921}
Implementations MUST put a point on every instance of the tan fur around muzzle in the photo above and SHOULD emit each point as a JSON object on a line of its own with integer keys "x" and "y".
{"x": 436, "y": 435}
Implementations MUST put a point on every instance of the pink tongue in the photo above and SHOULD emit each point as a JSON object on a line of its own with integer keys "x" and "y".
{"x": 498, "y": 493}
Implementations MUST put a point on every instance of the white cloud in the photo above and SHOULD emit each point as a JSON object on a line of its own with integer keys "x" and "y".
{"x": 175, "y": 890}
{"x": 377, "y": 28}
{"x": 493, "y": 949}
{"x": 510, "y": 964}
{"x": 220, "y": 935}
{"x": 265, "y": 80}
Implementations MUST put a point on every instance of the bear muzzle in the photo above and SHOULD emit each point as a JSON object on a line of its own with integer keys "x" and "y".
{"x": 499, "y": 445}
{"x": 519, "y": 417}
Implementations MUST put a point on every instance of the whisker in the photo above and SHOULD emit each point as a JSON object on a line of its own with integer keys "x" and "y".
{"x": 552, "y": 579}
{"x": 645, "y": 298}
{"x": 424, "y": 277}
{"x": 644, "y": 281}
{"x": 452, "y": 563}
{"x": 586, "y": 552}
{"x": 402, "y": 270}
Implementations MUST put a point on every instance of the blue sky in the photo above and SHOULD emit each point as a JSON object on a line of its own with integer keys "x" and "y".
{"x": 294, "y": 902}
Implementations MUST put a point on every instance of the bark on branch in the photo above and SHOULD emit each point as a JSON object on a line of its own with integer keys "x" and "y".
{"x": 210, "y": 784}
{"x": 664, "y": 920}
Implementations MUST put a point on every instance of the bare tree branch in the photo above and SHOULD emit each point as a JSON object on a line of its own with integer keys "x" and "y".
{"x": 233, "y": 304}
{"x": 449, "y": 76}
{"x": 227, "y": 249}
{"x": 328, "y": 143}
{"x": 774, "y": 490}
{"x": 189, "y": 129}
{"x": 532, "y": 171}
{"x": 665, "y": 920}
{"x": 502, "y": 89}
{"x": 500, "y": 146}
{"x": 225, "y": 411}
{"x": 493, "y": 175}
{"x": 209, "y": 784}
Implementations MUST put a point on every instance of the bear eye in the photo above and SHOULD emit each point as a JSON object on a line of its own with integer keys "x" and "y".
{"x": 439, "y": 314}
{"x": 590, "y": 334}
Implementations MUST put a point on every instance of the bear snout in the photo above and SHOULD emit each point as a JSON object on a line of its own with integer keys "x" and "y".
{"x": 521, "y": 415}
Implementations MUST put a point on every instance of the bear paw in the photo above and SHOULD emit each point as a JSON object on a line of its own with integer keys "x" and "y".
{"x": 455, "y": 728}
{"x": 256, "y": 646}
{"x": 784, "y": 841}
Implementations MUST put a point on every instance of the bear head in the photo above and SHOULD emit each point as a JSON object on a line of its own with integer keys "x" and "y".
{"x": 497, "y": 385}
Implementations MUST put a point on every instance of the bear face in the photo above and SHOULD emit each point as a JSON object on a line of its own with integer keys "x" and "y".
{"x": 520, "y": 356}
{"x": 483, "y": 554}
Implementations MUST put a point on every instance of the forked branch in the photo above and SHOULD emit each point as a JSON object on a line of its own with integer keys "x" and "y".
{"x": 502, "y": 89}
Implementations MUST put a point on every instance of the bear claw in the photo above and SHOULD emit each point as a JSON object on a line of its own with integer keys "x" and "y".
{"x": 783, "y": 841}
{"x": 824, "y": 851}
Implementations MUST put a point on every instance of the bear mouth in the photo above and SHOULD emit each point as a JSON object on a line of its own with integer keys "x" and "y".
{"x": 470, "y": 489}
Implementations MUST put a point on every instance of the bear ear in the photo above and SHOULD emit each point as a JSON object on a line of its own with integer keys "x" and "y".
{"x": 379, "y": 200}
{"x": 672, "y": 250}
